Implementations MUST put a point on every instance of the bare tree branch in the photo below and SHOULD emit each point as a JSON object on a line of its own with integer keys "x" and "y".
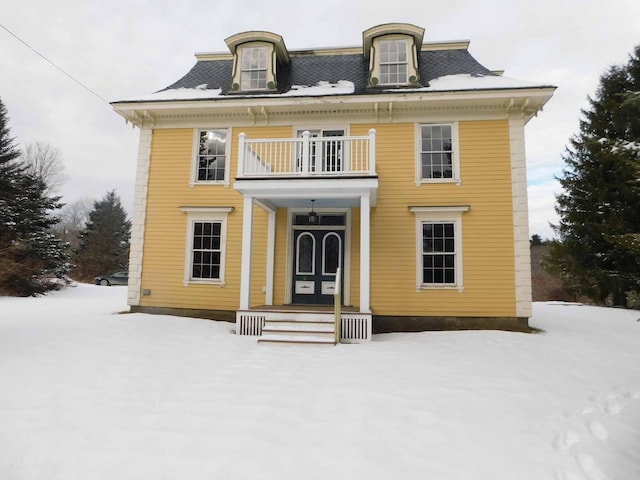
{"x": 44, "y": 161}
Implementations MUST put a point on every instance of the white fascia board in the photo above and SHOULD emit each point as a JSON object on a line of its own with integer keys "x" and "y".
{"x": 541, "y": 93}
{"x": 315, "y": 188}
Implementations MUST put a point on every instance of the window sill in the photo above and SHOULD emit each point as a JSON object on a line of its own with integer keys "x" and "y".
{"x": 460, "y": 288}
{"x": 209, "y": 183}
{"x": 457, "y": 181}
{"x": 221, "y": 283}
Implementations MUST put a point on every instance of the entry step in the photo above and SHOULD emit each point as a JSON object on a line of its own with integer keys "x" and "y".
{"x": 302, "y": 327}
{"x": 296, "y": 339}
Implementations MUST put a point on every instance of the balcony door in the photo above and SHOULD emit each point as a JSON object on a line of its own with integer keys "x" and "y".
{"x": 325, "y": 153}
{"x": 318, "y": 251}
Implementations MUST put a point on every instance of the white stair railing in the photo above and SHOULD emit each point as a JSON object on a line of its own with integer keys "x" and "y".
{"x": 337, "y": 301}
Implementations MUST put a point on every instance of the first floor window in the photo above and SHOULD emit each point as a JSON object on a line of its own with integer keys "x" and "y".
{"x": 438, "y": 253}
{"x": 212, "y": 156}
{"x": 439, "y": 246}
{"x": 206, "y": 241}
{"x": 206, "y": 250}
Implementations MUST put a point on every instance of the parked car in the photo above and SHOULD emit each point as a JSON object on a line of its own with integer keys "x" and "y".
{"x": 118, "y": 278}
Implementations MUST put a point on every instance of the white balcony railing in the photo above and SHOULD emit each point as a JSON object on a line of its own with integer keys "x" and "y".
{"x": 307, "y": 156}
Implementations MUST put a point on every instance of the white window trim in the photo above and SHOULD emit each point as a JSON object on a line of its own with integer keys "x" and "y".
{"x": 450, "y": 214}
{"x": 205, "y": 214}
{"x": 195, "y": 154}
{"x": 455, "y": 140}
{"x": 405, "y": 63}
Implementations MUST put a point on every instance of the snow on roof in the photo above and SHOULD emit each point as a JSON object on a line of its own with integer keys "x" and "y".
{"x": 466, "y": 81}
{"x": 201, "y": 91}
{"x": 342, "y": 87}
{"x": 345, "y": 87}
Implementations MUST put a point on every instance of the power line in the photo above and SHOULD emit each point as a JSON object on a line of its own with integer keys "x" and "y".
{"x": 53, "y": 64}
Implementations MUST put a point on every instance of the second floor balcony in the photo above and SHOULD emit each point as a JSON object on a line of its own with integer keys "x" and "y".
{"x": 309, "y": 155}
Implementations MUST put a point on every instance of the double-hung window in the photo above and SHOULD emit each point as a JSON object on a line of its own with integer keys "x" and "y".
{"x": 206, "y": 242}
{"x": 253, "y": 68}
{"x": 438, "y": 253}
{"x": 439, "y": 246}
{"x": 211, "y": 162}
{"x": 393, "y": 62}
{"x": 438, "y": 158}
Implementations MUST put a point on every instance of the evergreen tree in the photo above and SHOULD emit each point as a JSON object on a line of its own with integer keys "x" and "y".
{"x": 104, "y": 242}
{"x": 598, "y": 251}
{"x": 31, "y": 257}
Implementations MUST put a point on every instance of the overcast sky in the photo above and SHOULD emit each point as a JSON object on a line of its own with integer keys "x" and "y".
{"x": 126, "y": 48}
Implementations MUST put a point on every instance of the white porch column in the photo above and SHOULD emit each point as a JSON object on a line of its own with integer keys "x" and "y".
{"x": 245, "y": 271}
{"x": 271, "y": 251}
{"x": 365, "y": 253}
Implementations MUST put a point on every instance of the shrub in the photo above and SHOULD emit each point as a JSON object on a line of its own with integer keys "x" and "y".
{"x": 633, "y": 299}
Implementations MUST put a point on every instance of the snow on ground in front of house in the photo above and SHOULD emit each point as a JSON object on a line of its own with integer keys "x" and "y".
{"x": 86, "y": 393}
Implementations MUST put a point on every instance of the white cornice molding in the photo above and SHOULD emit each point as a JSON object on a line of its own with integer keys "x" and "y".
{"x": 542, "y": 93}
{"x": 446, "y": 45}
{"x": 502, "y": 103}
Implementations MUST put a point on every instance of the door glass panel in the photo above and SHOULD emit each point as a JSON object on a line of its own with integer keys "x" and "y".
{"x": 330, "y": 219}
{"x": 331, "y": 246}
{"x": 305, "y": 261}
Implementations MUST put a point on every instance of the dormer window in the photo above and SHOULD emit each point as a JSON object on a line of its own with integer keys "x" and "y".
{"x": 392, "y": 51}
{"x": 254, "y": 68}
{"x": 257, "y": 57}
{"x": 393, "y": 62}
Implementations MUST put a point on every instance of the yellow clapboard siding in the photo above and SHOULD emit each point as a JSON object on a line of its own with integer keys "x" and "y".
{"x": 487, "y": 228}
{"x": 165, "y": 242}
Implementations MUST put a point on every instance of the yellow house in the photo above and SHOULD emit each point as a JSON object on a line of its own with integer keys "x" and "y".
{"x": 383, "y": 185}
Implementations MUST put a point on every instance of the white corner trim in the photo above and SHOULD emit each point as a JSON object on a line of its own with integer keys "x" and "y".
{"x": 139, "y": 217}
{"x": 522, "y": 250}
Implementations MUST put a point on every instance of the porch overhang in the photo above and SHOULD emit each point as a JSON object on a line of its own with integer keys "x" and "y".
{"x": 288, "y": 192}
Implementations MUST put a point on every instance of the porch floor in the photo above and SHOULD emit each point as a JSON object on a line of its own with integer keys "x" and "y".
{"x": 302, "y": 308}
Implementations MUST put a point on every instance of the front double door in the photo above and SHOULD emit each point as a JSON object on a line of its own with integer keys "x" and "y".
{"x": 317, "y": 255}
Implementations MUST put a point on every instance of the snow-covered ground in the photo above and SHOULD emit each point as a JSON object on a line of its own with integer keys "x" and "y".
{"x": 88, "y": 394}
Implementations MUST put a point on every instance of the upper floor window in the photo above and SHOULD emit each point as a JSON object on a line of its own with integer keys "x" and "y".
{"x": 210, "y": 162}
{"x": 257, "y": 55}
{"x": 393, "y": 62}
{"x": 253, "y": 74}
{"x": 393, "y": 53}
{"x": 437, "y": 153}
